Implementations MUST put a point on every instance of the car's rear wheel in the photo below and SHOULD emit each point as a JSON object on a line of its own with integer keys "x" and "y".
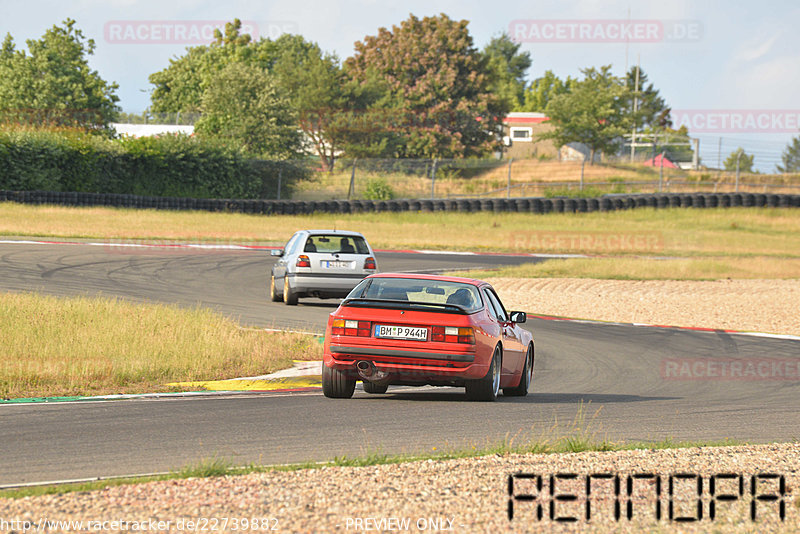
{"x": 525, "y": 380}
{"x": 289, "y": 296}
{"x": 376, "y": 389}
{"x": 488, "y": 387}
{"x": 337, "y": 384}
{"x": 273, "y": 293}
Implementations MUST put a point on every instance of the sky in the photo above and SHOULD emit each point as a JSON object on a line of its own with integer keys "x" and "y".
{"x": 730, "y": 70}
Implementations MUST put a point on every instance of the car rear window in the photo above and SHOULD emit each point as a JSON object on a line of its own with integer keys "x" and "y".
{"x": 419, "y": 290}
{"x": 342, "y": 244}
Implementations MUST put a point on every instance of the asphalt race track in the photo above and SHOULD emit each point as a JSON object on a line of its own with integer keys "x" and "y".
{"x": 616, "y": 371}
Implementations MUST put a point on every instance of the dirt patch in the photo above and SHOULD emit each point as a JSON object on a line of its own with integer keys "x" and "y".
{"x": 752, "y": 305}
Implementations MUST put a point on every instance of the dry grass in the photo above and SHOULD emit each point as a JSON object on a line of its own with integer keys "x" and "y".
{"x": 77, "y": 346}
{"x": 674, "y": 232}
{"x": 538, "y": 176}
{"x": 650, "y": 269}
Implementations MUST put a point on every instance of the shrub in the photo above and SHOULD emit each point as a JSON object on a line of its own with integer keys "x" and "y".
{"x": 378, "y": 189}
{"x": 167, "y": 165}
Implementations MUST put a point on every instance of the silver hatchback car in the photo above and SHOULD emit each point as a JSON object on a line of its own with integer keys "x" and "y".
{"x": 322, "y": 264}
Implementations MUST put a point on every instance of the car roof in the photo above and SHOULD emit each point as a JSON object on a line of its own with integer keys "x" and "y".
{"x": 436, "y": 277}
{"x": 343, "y": 233}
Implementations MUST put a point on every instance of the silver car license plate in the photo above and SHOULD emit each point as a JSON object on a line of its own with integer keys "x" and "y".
{"x": 335, "y": 264}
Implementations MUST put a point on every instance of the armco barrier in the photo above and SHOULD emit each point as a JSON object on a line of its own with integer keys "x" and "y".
{"x": 492, "y": 205}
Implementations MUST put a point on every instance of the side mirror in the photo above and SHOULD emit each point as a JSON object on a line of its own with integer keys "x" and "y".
{"x": 278, "y": 252}
{"x": 518, "y": 317}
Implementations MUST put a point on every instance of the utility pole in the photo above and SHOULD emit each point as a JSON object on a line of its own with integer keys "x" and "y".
{"x": 433, "y": 179}
{"x": 508, "y": 186}
{"x": 583, "y": 164}
{"x": 635, "y": 107}
{"x": 352, "y": 188}
{"x": 696, "y": 155}
{"x": 661, "y": 174}
{"x": 738, "y": 155}
{"x": 719, "y": 158}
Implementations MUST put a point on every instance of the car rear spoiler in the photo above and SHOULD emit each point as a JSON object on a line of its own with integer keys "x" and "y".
{"x": 405, "y": 305}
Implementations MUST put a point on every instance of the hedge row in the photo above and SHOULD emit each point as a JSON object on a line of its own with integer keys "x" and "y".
{"x": 523, "y": 205}
{"x": 169, "y": 165}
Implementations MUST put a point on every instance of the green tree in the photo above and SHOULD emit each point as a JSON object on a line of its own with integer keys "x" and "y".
{"x": 790, "y": 159}
{"x": 544, "y": 89}
{"x": 593, "y": 112}
{"x": 745, "y": 161}
{"x": 180, "y": 86}
{"x": 52, "y": 83}
{"x": 651, "y": 109}
{"x": 509, "y": 67}
{"x": 243, "y": 107}
{"x": 318, "y": 91}
{"x": 439, "y": 98}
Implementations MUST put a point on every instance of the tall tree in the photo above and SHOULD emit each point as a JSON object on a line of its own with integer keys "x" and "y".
{"x": 790, "y": 159}
{"x": 544, "y": 89}
{"x": 593, "y": 112}
{"x": 318, "y": 91}
{"x": 509, "y": 67}
{"x": 53, "y": 84}
{"x": 180, "y": 86}
{"x": 651, "y": 109}
{"x": 243, "y": 107}
{"x": 439, "y": 87}
{"x": 745, "y": 161}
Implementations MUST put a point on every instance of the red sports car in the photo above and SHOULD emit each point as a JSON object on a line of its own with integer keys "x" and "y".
{"x": 414, "y": 330}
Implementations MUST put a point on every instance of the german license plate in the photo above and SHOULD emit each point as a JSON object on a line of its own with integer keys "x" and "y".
{"x": 401, "y": 332}
{"x": 333, "y": 264}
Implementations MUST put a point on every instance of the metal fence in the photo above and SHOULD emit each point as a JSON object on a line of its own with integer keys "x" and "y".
{"x": 385, "y": 179}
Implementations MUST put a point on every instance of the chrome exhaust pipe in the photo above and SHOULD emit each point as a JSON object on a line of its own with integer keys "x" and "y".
{"x": 365, "y": 369}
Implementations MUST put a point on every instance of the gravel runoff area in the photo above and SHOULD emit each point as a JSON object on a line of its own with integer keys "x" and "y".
{"x": 464, "y": 495}
{"x": 752, "y": 305}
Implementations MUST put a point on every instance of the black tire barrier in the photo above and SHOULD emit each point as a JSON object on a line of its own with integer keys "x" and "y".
{"x": 494, "y": 205}
{"x": 698, "y": 201}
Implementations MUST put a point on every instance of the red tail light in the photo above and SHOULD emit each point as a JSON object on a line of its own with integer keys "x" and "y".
{"x": 453, "y": 334}
{"x": 303, "y": 261}
{"x": 369, "y": 263}
{"x": 347, "y": 327}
